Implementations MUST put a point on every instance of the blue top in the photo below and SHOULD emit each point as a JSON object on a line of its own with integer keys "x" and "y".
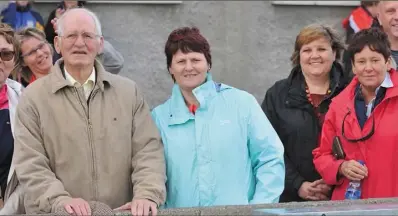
{"x": 226, "y": 154}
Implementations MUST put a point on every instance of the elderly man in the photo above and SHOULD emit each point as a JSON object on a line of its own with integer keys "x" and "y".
{"x": 83, "y": 134}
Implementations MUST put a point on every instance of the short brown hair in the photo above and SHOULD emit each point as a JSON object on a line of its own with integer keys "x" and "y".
{"x": 314, "y": 32}
{"x": 22, "y": 35}
{"x": 374, "y": 38}
{"x": 187, "y": 40}
{"x": 9, "y": 35}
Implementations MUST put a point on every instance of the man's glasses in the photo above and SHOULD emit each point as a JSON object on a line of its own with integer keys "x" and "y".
{"x": 7, "y": 55}
{"x": 34, "y": 50}
{"x": 366, "y": 137}
{"x": 87, "y": 37}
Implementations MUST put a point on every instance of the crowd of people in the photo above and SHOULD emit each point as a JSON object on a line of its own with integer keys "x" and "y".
{"x": 73, "y": 131}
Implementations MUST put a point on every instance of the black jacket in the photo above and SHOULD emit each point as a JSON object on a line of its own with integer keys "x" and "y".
{"x": 290, "y": 113}
{"x": 7, "y": 148}
{"x": 49, "y": 29}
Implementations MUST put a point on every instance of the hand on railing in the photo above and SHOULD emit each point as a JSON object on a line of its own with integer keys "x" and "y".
{"x": 140, "y": 207}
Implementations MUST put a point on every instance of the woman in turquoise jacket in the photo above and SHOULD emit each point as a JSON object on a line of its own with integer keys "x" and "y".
{"x": 220, "y": 147}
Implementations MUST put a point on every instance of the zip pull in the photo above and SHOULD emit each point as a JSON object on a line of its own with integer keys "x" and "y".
{"x": 89, "y": 124}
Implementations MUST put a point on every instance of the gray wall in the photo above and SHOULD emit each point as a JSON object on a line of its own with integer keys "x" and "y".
{"x": 251, "y": 41}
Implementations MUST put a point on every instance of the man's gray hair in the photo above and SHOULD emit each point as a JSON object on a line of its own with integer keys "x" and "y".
{"x": 60, "y": 21}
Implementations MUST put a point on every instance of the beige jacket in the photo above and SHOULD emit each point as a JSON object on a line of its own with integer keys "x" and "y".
{"x": 107, "y": 149}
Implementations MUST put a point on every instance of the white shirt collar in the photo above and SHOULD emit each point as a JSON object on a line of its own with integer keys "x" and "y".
{"x": 73, "y": 81}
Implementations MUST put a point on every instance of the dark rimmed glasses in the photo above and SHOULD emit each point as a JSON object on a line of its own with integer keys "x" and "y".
{"x": 366, "y": 137}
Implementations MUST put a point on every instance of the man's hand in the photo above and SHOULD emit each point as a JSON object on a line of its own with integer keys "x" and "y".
{"x": 77, "y": 206}
{"x": 140, "y": 207}
{"x": 59, "y": 12}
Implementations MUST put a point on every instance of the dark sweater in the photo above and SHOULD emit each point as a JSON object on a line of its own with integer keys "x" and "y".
{"x": 6, "y": 148}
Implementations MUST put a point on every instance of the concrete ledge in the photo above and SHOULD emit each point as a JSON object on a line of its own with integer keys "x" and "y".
{"x": 247, "y": 210}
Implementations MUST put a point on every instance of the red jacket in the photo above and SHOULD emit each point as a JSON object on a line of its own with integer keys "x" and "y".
{"x": 359, "y": 19}
{"x": 379, "y": 152}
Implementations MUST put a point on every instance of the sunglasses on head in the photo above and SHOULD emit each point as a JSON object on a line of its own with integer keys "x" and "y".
{"x": 6, "y": 55}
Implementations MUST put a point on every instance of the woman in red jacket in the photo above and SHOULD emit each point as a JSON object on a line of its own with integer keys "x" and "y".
{"x": 364, "y": 119}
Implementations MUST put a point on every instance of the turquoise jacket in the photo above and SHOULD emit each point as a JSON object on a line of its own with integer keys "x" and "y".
{"x": 226, "y": 154}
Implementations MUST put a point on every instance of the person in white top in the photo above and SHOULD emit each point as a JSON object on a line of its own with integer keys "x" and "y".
{"x": 10, "y": 92}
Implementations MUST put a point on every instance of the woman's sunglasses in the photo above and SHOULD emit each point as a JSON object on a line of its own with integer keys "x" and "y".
{"x": 359, "y": 139}
{"x": 6, "y": 55}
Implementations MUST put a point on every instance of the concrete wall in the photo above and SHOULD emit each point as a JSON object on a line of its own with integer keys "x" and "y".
{"x": 386, "y": 206}
{"x": 251, "y": 41}
{"x": 325, "y": 208}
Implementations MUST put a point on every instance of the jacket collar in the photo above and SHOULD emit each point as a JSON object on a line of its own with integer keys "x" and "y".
{"x": 15, "y": 86}
{"x": 58, "y": 80}
{"x": 349, "y": 92}
{"x": 204, "y": 93}
{"x": 296, "y": 96}
{"x": 14, "y": 92}
{"x": 387, "y": 83}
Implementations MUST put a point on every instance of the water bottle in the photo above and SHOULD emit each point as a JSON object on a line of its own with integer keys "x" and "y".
{"x": 354, "y": 189}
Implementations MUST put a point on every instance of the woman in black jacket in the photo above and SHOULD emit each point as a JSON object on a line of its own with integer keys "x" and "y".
{"x": 64, "y": 5}
{"x": 296, "y": 107}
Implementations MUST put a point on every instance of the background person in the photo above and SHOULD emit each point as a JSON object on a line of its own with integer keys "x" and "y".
{"x": 10, "y": 92}
{"x": 363, "y": 17}
{"x": 56, "y": 13}
{"x": 19, "y": 14}
{"x": 33, "y": 63}
{"x": 388, "y": 19}
{"x": 110, "y": 58}
{"x": 296, "y": 107}
{"x": 36, "y": 56}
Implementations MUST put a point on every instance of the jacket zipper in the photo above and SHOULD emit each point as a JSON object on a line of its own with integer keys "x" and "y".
{"x": 92, "y": 145}
{"x": 90, "y": 138}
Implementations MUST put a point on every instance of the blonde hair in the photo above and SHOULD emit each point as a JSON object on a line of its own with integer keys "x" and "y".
{"x": 314, "y": 32}
{"x": 21, "y": 70}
